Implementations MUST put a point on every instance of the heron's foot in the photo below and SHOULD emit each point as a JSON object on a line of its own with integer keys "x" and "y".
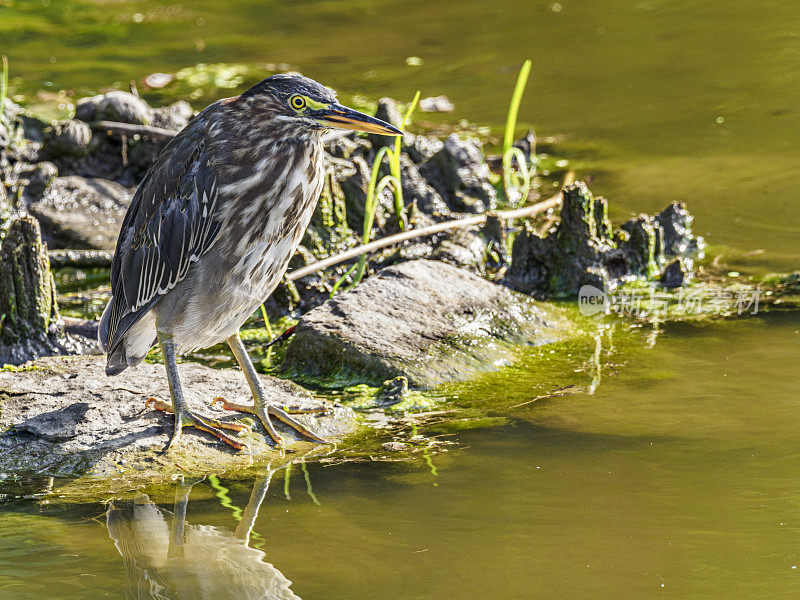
{"x": 187, "y": 418}
{"x": 263, "y": 413}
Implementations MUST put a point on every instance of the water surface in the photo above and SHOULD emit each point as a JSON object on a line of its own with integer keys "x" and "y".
{"x": 692, "y": 100}
{"x": 676, "y": 478}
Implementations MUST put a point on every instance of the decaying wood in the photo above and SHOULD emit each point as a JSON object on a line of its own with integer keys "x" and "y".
{"x": 27, "y": 292}
{"x": 81, "y": 259}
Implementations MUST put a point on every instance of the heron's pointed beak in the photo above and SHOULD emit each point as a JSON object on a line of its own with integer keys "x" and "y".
{"x": 341, "y": 117}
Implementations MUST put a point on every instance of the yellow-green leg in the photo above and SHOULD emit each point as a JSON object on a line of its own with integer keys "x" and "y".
{"x": 261, "y": 408}
{"x": 183, "y": 416}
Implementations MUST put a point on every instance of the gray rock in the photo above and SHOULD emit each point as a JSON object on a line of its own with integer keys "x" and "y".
{"x": 346, "y": 146}
{"x": 6, "y": 208}
{"x": 675, "y": 274}
{"x": 436, "y": 104}
{"x": 65, "y": 417}
{"x": 354, "y": 182}
{"x": 39, "y": 176}
{"x": 69, "y": 138}
{"x": 462, "y": 248}
{"x": 393, "y": 391}
{"x": 420, "y": 147}
{"x": 416, "y": 189}
{"x": 460, "y": 174}
{"x": 583, "y": 250}
{"x": 580, "y": 252}
{"x": 10, "y": 109}
{"x": 676, "y": 221}
{"x": 119, "y": 106}
{"x": 82, "y": 212}
{"x": 425, "y": 320}
{"x": 173, "y": 117}
{"x": 386, "y": 111}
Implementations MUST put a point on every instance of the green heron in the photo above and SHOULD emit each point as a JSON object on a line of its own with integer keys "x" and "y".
{"x": 210, "y": 231}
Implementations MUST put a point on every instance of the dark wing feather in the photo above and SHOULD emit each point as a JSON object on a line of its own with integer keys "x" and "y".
{"x": 172, "y": 221}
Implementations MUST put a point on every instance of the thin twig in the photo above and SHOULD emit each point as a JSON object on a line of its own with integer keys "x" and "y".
{"x": 133, "y": 129}
{"x": 168, "y": 134}
{"x": 79, "y": 258}
{"x": 503, "y": 215}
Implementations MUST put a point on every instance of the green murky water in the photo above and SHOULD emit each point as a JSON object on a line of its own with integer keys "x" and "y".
{"x": 677, "y": 477}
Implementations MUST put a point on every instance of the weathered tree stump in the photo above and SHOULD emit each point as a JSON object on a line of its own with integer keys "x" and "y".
{"x": 29, "y": 319}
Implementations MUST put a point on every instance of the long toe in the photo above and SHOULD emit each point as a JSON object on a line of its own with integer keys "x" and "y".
{"x": 284, "y": 417}
{"x": 212, "y": 426}
{"x": 208, "y": 426}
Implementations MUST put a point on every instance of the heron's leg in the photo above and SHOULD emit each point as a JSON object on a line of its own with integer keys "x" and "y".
{"x": 261, "y": 408}
{"x": 183, "y": 416}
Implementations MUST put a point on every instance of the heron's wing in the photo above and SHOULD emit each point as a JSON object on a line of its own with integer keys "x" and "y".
{"x": 172, "y": 221}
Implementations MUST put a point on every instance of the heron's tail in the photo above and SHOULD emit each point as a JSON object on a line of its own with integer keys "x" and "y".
{"x": 102, "y": 332}
{"x": 117, "y": 362}
{"x": 131, "y": 348}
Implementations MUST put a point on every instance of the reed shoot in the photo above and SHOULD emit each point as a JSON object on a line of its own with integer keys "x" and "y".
{"x": 516, "y": 180}
{"x": 374, "y": 190}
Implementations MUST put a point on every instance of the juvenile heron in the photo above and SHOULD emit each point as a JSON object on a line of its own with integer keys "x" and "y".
{"x": 211, "y": 229}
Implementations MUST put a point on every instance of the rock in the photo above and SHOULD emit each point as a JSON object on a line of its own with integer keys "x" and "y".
{"x": 462, "y": 248}
{"x": 347, "y": 146}
{"x": 395, "y": 446}
{"x": 427, "y": 321}
{"x": 674, "y": 275}
{"x": 68, "y": 138}
{"x": 82, "y": 212}
{"x": 436, "y": 104}
{"x": 493, "y": 232}
{"x": 39, "y": 177}
{"x": 528, "y": 145}
{"x": 416, "y": 190}
{"x": 29, "y": 320}
{"x": 460, "y": 174}
{"x": 393, "y": 391}
{"x": 118, "y": 106}
{"x": 676, "y": 223}
{"x": 64, "y": 417}
{"x": 6, "y": 208}
{"x": 10, "y": 109}
{"x": 580, "y": 252}
{"x": 643, "y": 247}
{"x": 420, "y": 147}
{"x": 354, "y": 181}
{"x": 173, "y": 117}
{"x": 583, "y": 250}
{"x": 158, "y": 80}
{"x": 386, "y": 111}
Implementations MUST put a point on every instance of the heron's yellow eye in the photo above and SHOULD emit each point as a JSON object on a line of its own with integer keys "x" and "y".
{"x": 297, "y": 102}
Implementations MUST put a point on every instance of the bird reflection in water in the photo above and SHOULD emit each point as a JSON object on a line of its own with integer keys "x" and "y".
{"x": 166, "y": 558}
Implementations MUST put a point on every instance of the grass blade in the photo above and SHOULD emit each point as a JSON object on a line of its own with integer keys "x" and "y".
{"x": 513, "y": 109}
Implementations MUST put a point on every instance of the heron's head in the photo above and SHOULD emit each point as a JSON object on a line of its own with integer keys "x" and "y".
{"x": 307, "y": 105}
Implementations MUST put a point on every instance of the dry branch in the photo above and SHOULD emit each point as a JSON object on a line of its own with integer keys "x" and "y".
{"x": 503, "y": 215}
